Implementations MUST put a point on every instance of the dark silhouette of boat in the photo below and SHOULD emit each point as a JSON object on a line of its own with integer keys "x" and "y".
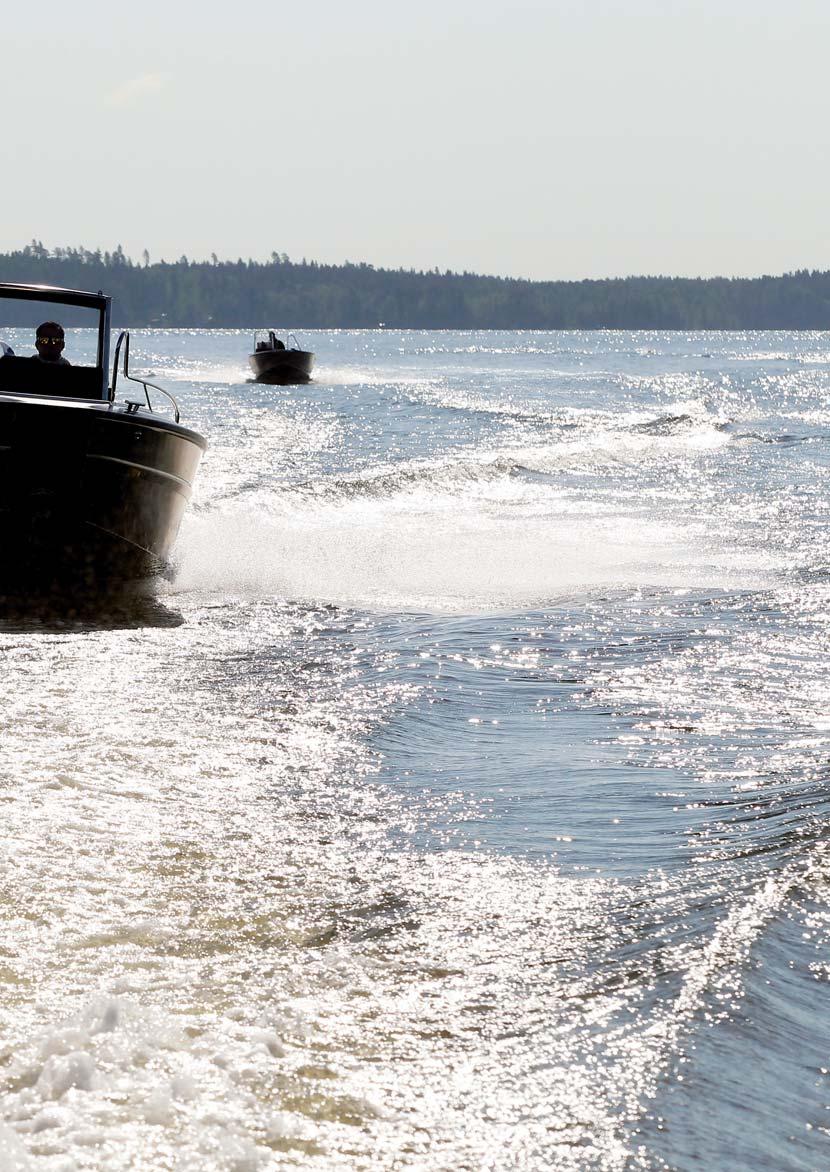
{"x": 92, "y": 491}
{"x": 274, "y": 362}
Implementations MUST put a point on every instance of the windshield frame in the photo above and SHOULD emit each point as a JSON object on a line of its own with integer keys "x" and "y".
{"x": 77, "y": 297}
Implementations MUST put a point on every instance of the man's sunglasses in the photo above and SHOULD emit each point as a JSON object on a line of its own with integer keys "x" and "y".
{"x": 49, "y": 341}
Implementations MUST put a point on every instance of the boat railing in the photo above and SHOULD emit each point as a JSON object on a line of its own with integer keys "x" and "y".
{"x": 124, "y": 339}
{"x": 296, "y": 345}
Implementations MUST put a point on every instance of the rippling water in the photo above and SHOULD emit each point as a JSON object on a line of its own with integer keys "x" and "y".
{"x": 462, "y": 800}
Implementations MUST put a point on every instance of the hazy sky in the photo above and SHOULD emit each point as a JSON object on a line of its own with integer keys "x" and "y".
{"x": 556, "y": 139}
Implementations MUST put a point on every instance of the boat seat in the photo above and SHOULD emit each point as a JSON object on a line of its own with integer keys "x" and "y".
{"x": 26, "y": 376}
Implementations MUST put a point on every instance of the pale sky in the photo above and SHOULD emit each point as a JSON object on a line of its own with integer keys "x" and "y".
{"x": 564, "y": 139}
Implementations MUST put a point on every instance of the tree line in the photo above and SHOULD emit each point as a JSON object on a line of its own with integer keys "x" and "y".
{"x": 295, "y": 294}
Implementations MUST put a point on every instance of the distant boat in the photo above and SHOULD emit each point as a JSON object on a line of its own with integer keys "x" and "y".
{"x": 274, "y": 362}
{"x": 91, "y": 491}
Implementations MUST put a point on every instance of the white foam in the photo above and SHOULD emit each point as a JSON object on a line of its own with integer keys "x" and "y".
{"x": 329, "y": 374}
{"x": 393, "y": 553}
{"x": 473, "y": 529}
{"x": 13, "y": 1155}
{"x": 138, "y": 1070}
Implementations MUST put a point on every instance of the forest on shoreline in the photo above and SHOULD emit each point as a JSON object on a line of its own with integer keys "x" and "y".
{"x": 306, "y": 294}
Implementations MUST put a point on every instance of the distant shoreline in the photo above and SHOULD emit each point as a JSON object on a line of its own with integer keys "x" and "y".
{"x": 306, "y": 294}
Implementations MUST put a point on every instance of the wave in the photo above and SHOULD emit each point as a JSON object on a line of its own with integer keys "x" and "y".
{"x": 472, "y": 527}
{"x": 468, "y": 469}
{"x": 468, "y": 535}
{"x": 398, "y": 561}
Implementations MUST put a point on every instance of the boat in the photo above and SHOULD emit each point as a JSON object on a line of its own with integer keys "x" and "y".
{"x": 92, "y": 490}
{"x": 274, "y": 362}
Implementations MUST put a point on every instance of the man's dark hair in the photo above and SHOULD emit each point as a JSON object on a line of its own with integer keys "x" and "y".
{"x": 50, "y": 325}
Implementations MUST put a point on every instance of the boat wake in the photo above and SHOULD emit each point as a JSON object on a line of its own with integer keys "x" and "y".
{"x": 385, "y": 554}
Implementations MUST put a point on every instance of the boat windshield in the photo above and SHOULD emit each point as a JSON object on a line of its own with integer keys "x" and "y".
{"x": 47, "y": 347}
{"x": 19, "y": 322}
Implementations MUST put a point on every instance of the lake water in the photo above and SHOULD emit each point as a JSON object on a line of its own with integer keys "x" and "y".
{"x": 462, "y": 800}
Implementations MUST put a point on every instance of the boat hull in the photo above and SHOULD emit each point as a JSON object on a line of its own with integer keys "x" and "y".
{"x": 89, "y": 492}
{"x": 282, "y": 366}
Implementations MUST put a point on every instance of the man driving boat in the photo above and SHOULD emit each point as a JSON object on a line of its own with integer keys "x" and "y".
{"x": 49, "y": 343}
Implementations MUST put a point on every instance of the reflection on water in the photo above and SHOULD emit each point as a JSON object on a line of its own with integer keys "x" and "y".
{"x": 504, "y": 846}
{"x": 122, "y": 607}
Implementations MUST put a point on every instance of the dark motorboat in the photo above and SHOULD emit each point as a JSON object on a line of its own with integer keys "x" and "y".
{"x": 274, "y": 362}
{"x": 91, "y": 491}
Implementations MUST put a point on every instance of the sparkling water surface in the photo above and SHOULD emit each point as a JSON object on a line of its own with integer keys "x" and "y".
{"x": 461, "y": 801}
